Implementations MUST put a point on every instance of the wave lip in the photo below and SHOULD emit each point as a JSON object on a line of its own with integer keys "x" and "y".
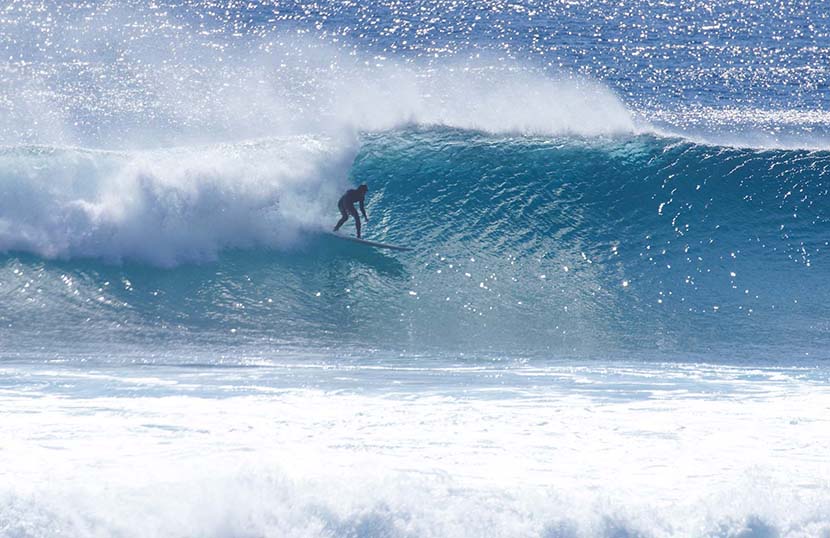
{"x": 496, "y": 100}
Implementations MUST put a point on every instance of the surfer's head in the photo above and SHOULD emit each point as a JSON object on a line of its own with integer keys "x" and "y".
{"x": 363, "y": 188}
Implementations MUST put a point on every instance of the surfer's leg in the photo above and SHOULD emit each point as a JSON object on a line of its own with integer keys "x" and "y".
{"x": 340, "y": 222}
{"x": 343, "y": 218}
{"x": 356, "y": 217}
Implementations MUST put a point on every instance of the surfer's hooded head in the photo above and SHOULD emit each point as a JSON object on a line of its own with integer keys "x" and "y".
{"x": 363, "y": 188}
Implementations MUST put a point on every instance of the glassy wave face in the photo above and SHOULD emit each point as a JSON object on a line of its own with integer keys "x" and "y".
{"x": 522, "y": 245}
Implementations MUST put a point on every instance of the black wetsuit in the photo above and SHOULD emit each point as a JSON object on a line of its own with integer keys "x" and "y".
{"x": 346, "y": 207}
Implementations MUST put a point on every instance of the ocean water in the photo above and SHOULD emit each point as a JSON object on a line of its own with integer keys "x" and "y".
{"x": 613, "y": 321}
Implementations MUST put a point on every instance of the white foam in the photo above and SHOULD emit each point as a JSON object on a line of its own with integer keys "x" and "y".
{"x": 714, "y": 456}
{"x": 167, "y": 206}
{"x": 694, "y": 451}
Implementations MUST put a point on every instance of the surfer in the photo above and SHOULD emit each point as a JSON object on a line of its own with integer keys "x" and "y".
{"x": 346, "y": 207}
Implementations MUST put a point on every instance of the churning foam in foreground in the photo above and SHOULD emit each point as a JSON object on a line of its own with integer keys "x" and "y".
{"x": 555, "y": 452}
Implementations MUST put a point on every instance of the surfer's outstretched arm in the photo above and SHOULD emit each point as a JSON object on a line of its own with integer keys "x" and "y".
{"x": 363, "y": 210}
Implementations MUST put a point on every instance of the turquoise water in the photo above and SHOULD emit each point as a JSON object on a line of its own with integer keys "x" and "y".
{"x": 632, "y": 246}
{"x": 613, "y": 320}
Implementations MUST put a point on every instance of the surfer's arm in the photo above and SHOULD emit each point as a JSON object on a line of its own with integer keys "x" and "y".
{"x": 363, "y": 210}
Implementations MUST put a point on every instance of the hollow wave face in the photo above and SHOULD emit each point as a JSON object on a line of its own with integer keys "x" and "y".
{"x": 553, "y": 246}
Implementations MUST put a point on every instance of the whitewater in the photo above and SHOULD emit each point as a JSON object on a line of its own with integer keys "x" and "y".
{"x": 613, "y": 321}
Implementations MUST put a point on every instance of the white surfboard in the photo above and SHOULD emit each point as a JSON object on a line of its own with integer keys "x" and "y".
{"x": 369, "y": 243}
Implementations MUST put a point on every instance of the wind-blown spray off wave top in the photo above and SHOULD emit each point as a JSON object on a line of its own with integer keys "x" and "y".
{"x": 272, "y": 88}
{"x": 133, "y": 73}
